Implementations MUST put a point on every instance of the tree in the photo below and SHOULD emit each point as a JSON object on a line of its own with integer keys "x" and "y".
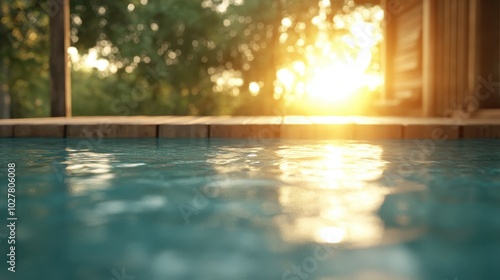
{"x": 198, "y": 56}
{"x": 163, "y": 57}
{"x": 23, "y": 59}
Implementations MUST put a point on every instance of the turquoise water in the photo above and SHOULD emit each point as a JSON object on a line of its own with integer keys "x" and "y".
{"x": 252, "y": 209}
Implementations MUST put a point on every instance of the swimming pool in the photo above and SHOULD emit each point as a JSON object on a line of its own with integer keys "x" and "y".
{"x": 248, "y": 209}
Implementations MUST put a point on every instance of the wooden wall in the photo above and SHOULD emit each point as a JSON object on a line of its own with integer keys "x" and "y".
{"x": 452, "y": 55}
{"x": 489, "y": 49}
{"x": 432, "y": 53}
{"x": 404, "y": 49}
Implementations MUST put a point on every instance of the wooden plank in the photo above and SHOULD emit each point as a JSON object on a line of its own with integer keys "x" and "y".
{"x": 377, "y": 131}
{"x": 39, "y": 130}
{"x": 5, "y": 99}
{"x": 461, "y": 51}
{"x": 438, "y": 91}
{"x": 412, "y": 82}
{"x": 410, "y": 24}
{"x": 319, "y": 127}
{"x": 318, "y": 131}
{"x": 446, "y": 55}
{"x": 60, "y": 75}
{"x": 387, "y": 49}
{"x": 406, "y": 58}
{"x": 107, "y": 130}
{"x": 436, "y": 132}
{"x": 183, "y": 131}
{"x": 255, "y": 131}
{"x": 407, "y": 61}
{"x": 407, "y": 4}
{"x": 6, "y": 130}
{"x": 409, "y": 41}
{"x": 472, "y": 47}
{"x": 481, "y": 131}
{"x": 298, "y": 131}
{"x": 489, "y": 45}
{"x": 410, "y": 19}
{"x": 428, "y": 58}
{"x": 409, "y": 29}
{"x": 334, "y": 131}
{"x": 453, "y": 54}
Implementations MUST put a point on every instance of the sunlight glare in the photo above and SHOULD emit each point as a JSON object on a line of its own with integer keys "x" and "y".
{"x": 88, "y": 171}
{"x": 334, "y": 69}
{"x": 286, "y": 78}
{"x": 254, "y": 88}
{"x": 92, "y": 61}
{"x": 331, "y": 234}
{"x": 337, "y": 203}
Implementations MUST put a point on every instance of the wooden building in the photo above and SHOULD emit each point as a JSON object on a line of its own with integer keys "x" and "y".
{"x": 442, "y": 56}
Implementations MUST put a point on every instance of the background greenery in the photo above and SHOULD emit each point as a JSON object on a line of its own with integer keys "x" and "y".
{"x": 166, "y": 57}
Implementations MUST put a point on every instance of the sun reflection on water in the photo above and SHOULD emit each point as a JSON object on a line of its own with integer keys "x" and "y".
{"x": 328, "y": 196}
{"x": 332, "y": 166}
{"x": 88, "y": 170}
{"x": 323, "y": 192}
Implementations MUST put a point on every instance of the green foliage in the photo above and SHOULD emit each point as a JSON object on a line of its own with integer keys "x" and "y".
{"x": 166, "y": 57}
{"x": 24, "y": 54}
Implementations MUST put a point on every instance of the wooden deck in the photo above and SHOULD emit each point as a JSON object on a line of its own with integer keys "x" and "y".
{"x": 295, "y": 127}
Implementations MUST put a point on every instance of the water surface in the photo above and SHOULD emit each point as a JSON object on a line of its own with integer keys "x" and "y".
{"x": 253, "y": 209}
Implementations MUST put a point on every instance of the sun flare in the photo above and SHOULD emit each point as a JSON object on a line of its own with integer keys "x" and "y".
{"x": 337, "y": 66}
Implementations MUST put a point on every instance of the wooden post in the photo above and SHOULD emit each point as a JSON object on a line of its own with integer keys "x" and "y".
{"x": 391, "y": 11}
{"x": 4, "y": 86}
{"x": 4, "y": 91}
{"x": 472, "y": 71}
{"x": 384, "y": 51}
{"x": 429, "y": 90}
{"x": 60, "y": 75}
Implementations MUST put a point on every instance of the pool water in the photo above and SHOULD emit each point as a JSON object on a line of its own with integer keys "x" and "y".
{"x": 252, "y": 209}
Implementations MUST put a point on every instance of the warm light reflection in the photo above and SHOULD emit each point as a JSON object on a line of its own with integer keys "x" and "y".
{"x": 334, "y": 68}
{"x": 236, "y": 159}
{"x": 254, "y": 88}
{"x": 331, "y": 166}
{"x": 89, "y": 60}
{"x": 329, "y": 192}
{"x": 88, "y": 170}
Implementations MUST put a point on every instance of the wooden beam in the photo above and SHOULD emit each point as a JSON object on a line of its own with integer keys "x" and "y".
{"x": 4, "y": 90}
{"x": 4, "y": 85}
{"x": 472, "y": 59}
{"x": 60, "y": 75}
{"x": 429, "y": 90}
{"x": 385, "y": 51}
{"x": 463, "y": 40}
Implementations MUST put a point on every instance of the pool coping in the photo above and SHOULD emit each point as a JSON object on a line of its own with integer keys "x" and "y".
{"x": 294, "y": 127}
